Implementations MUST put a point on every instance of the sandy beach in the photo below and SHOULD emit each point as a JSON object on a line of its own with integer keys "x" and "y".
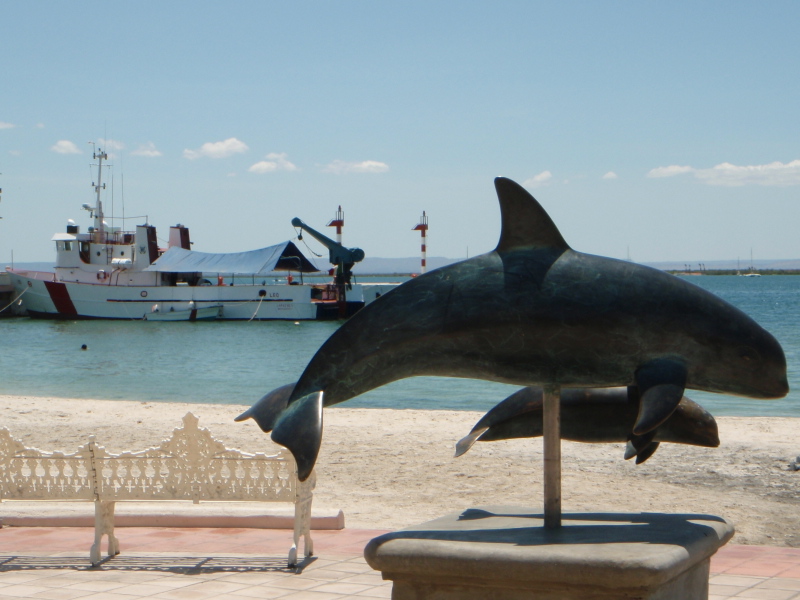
{"x": 388, "y": 469}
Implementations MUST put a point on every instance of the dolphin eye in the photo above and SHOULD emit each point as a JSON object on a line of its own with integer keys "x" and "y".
{"x": 747, "y": 355}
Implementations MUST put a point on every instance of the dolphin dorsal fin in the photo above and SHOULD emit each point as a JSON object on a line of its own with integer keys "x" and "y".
{"x": 525, "y": 224}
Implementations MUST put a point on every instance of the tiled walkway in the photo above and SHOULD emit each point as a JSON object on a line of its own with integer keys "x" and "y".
{"x": 160, "y": 563}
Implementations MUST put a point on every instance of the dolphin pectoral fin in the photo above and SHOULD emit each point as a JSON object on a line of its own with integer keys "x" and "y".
{"x": 267, "y": 410}
{"x": 661, "y": 385}
{"x": 299, "y": 429}
{"x": 646, "y": 452}
{"x": 467, "y": 441}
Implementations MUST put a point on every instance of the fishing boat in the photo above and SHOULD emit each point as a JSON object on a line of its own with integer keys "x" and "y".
{"x": 109, "y": 273}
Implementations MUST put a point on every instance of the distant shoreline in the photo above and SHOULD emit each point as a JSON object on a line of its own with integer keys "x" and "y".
{"x": 410, "y": 267}
{"x": 734, "y": 272}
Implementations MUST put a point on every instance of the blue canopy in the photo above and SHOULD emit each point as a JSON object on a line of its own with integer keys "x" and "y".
{"x": 281, "y": 257}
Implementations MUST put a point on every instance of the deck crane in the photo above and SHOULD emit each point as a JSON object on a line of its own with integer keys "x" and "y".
{"x": 342, "y": 258}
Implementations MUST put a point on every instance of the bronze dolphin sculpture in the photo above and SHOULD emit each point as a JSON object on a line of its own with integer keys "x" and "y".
{"x": 595, "y": 416}
{"x": 535, "y": 312}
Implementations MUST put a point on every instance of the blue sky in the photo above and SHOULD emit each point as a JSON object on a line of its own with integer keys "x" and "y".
{"x": 666, "y": 131}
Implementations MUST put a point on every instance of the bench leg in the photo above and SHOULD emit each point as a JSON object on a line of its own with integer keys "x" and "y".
{"x": 103, "y": 525}
{"x": 302, "y": 527}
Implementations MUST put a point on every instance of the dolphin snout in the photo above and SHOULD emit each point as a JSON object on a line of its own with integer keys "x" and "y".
{"x": 778, "y": 390}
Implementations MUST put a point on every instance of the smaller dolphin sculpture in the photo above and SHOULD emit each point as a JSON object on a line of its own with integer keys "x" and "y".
{"x": 594, "y": 415}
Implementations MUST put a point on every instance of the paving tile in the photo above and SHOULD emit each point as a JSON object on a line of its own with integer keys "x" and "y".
{"x": 735, "y": 580}
{"x": 345, "y": 589}
{"x": 110, "y": 596}
{"x": 767, "y": 594}
{"x": 780, "y": 583}
{"x": 22, "y": 590}
{"x": 308, "y": 595}
{"x": 17, "y": 577}
{"x": 295, "y": 583}
{"x": 384, "y": 591}
{"x": 725, "y": 591}
{"x": 96, "y": 586}
{"x": 794, "y": 572}
{"x": 366, "y": 579}
{"x": 256, "y": 592}
{"x": 60, "y": 594}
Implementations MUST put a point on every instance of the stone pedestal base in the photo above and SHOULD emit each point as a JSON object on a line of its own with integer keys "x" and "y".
{"x": 495, "y": 552}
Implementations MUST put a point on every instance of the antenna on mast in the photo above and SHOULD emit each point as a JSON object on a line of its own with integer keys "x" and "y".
{"x": 99, "y": 225}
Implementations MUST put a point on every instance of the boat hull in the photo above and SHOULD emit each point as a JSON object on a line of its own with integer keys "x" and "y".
{"x": 207, "y": 313}
{"x": 44, "y": 297}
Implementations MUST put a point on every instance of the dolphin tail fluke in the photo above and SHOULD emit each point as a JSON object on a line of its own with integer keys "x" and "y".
{"x": 265, "y": 412}
{"x": 641, "y": 446}
{"x": 661, "y": 385}
{"x": 299, "y": 429}
{"x": 637, "y": 444}
{"x": 467, "y": 441}
{"x": 646, "y": 452}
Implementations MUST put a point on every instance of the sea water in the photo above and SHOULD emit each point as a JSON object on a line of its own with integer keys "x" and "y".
{"x": 238, "y": 362}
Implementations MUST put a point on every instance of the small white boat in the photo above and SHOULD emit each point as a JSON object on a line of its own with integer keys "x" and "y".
{"x": 206, "y": 313}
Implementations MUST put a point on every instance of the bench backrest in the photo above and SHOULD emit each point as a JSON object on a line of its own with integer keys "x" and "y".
{"x": 191, "y": 465}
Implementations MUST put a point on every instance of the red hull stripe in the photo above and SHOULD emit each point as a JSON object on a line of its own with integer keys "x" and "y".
{"x": 60, "y": 297}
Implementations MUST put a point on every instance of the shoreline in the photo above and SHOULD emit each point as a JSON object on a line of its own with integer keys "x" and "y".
{"x": 392, "y": 468}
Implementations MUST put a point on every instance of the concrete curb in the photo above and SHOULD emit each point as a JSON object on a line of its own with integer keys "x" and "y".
{"x": 250, "y": 515}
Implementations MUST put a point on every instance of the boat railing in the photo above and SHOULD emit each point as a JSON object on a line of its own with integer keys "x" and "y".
{"x": 38, "y": 275}
{"x": 114, "y": 237}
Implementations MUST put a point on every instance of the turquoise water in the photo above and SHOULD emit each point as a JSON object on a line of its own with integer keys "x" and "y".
{"x": 237, "y": 362}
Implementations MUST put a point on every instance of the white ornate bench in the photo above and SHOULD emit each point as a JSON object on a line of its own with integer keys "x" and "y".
{"x": 191, "y": 465}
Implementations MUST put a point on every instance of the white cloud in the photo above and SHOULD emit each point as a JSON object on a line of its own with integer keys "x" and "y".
{"x": 65, "y": 147}
{"x": 110, "y": 145}
{"x": 222, "y": 149}
{"x": 40, "y": 126}
{"x": 148, "y": 150}
{"x": 610, "y": 175}
{"x": 276, "y": 161}
{"x": 537, "y": 180}
{"x": 775, "y": 173}
{"x": 367, "y": 166}
{"x": 4, "y": 125}
{"x": 669, "y": 171}
{"x": 727, "y": 174}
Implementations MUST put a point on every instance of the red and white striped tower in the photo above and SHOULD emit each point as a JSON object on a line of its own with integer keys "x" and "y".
{"x": 338, "y": 222}
{"x": 422, "y": 227}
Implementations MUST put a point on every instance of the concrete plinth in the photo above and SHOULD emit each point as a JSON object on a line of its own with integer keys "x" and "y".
{"x": 495, "y": 552}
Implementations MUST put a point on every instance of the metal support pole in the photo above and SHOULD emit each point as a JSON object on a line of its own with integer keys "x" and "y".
{"x": 552, "y": 456}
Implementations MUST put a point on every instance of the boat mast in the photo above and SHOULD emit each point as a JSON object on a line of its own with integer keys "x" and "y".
{"x": 99, "y": 226}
